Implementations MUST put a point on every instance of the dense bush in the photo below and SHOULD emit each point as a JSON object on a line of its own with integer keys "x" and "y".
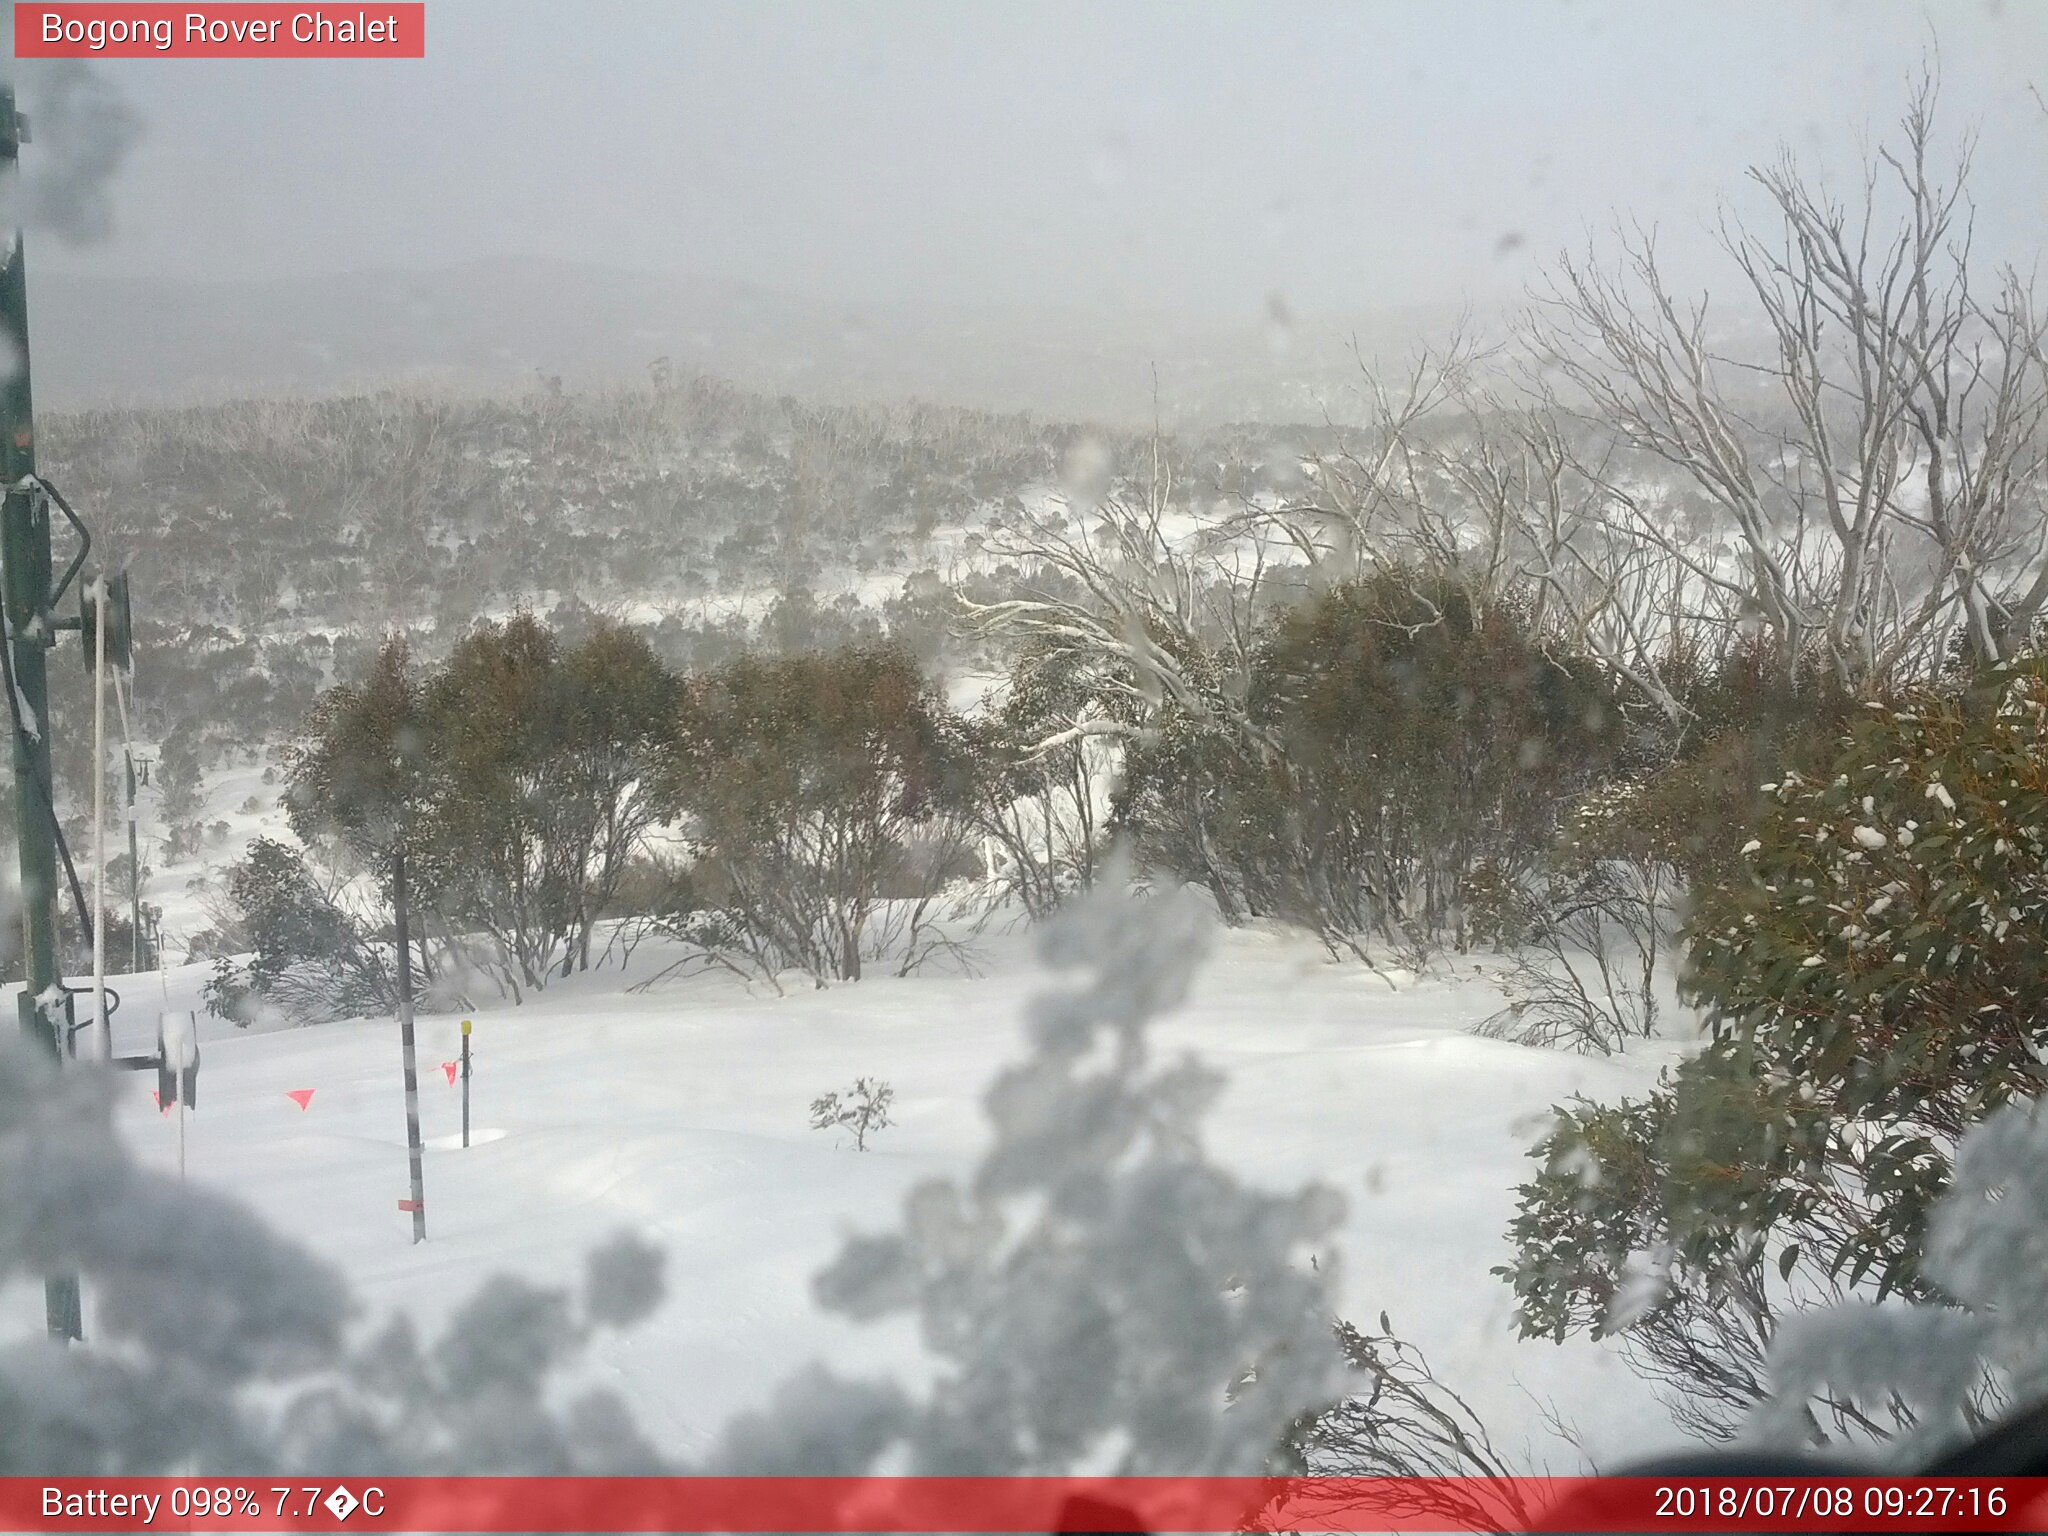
{"x": 312, "y": 957}
{"x": 1748, "y": 723}
{"x": 801, "y": 782}
{"x": 1873, "y": 983}
{"x": 1403, "y": 741}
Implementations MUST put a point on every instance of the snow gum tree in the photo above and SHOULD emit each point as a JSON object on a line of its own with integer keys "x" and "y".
{"x": 361, "y": 773}
{"x": 800, "y": 781}
{"x": 511, "y": 779}
{"x": 1874, "y": 465}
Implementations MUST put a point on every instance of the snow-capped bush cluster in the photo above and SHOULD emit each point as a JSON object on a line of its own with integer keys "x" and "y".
{"x": 1873, "y": 989}
{"x": 1944, "y": 1365}
{"x": 1888, "y": 950}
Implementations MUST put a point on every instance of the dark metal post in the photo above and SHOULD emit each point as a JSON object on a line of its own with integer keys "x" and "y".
{"x": 134, "y": 877}
{"x": 465, "y": 1082}
{"x": 418, "y": 1204}
{"x": 25, "y": 549}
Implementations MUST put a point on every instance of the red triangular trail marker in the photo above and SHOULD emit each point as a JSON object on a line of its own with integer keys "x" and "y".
{"x": 157, "y": 1099}
{"x": 449, "y": 1068}
{"x": 300, "y": 1096}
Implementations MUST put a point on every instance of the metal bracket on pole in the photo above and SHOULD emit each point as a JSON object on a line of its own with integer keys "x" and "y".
{"x": 27, "y": 597}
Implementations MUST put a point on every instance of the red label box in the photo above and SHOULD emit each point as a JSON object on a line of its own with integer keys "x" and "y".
{"x": 366, "y": 29}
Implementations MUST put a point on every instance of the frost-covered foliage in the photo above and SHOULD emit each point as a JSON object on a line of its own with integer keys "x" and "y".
{"x": 1940, "y": 1367}
{"x": 218, "y": 1347}
{"x": 1893, "y": 939}
{"x": 1873, "y": 989}
{"x": 864, "y": 1110}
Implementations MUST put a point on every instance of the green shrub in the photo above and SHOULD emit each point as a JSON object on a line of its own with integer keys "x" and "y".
{"x": 1402, "y": 742}
{"x": 803, "y": 782}
{"x": 1873, "y": 983}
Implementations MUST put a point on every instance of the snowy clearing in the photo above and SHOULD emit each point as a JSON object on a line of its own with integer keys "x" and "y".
{"x": 681, "y": 1112}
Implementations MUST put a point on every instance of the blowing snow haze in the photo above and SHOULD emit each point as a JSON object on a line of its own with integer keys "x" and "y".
{"x": 1027, "y": 205}
{"x": 1168, "y": 739}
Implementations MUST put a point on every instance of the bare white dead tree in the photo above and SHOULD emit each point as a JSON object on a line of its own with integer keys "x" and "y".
{"x": 1137, "y": 597}
{"x": 1537, "y": 503}
{"x": 1379, "y": 497}
{"x": 1876, "y": 456}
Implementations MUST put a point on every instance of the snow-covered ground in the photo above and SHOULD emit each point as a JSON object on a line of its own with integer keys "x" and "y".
{"x": 682, "y": 1112}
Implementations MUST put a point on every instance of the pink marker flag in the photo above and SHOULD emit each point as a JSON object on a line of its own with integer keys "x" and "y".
{"x": 449, "y": 1068}
{"x": 300, "y": 1096}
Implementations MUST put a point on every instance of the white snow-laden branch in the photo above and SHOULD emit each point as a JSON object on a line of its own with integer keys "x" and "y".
{"x": 1083, "y": 730}
{"x": 1149, "y": 619}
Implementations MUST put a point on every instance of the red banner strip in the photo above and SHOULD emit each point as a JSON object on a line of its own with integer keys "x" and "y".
{"x": 988, "y": 1504}
{"x": 368, "y": 29}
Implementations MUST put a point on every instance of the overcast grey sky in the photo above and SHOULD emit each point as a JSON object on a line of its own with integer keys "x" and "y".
{"x": 1194, "y": 156}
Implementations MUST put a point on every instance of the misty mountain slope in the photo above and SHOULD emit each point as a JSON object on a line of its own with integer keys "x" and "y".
{"x": 491, "y": 325}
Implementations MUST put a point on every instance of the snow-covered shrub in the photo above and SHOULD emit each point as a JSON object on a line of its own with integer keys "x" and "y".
{"x": 1889, "y": 942}
{"x": 1636, "y": 1228}
{"x": 864, "y": 1110}
{"x": 1873, "y": 988}
{"x": 1941, "y": 1369}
